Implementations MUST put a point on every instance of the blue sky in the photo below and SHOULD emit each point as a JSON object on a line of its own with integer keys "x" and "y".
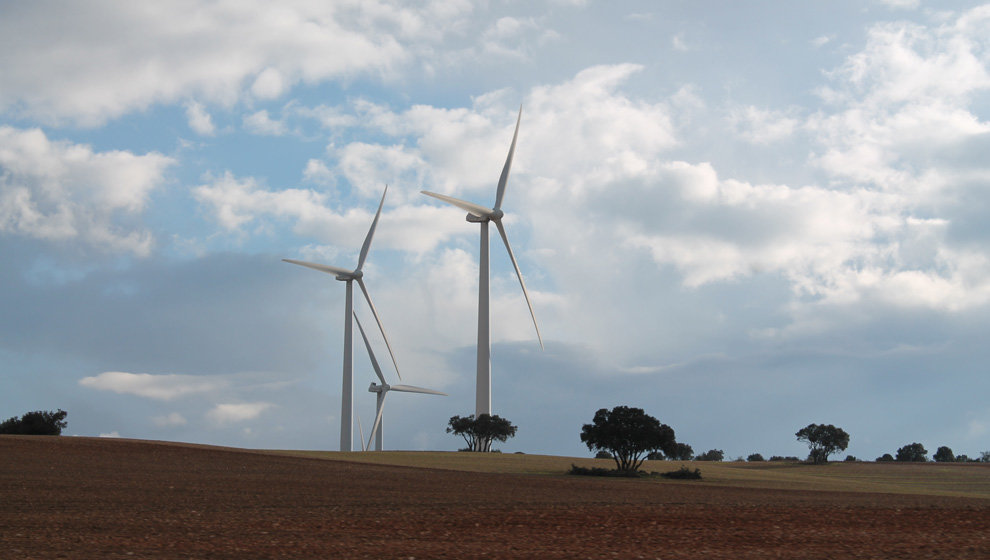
{"x": 741, "y": 217}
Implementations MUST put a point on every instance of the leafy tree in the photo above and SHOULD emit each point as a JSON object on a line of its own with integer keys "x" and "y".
{"x": 755, "y": 458}
{"x": 963, "y": 458}
{"x": 823, "y": 440}
{"x": 851, "y": 459}
{"x": 711, "y": 455}
{"x": 38, "y": 423}
{"x": 682, "y": 452}
{"x": 655, "y": 456}
{"x": 985, "y": 456}
{"x": 944, "y": 455}
{"x": 603, "y": 455}
{"x": 885, "y": 458}
{"x": 628, "y": 434}
{"x": 914, "y": 452}
{"x": 479, "y": 433}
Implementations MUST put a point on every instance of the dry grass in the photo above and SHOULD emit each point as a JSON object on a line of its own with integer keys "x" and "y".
{"x": 930, "y": 479}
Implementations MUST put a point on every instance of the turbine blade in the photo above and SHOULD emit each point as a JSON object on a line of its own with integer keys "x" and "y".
{"x": 337, "y": 271}
{"x": 378, "y": 420}
{"x": 469, "y": 207}
{"x": 371, "y": 233}
{"x": 505, "y": 239}
{"x": 413, "y": 389}
{"x": 361, "y": 429}
{"x": 380, "y": 326}
{"x": 371, "y": 353}
{"x": 504, "y": 178}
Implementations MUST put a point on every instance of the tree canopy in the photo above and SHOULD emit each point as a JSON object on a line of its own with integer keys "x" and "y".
{"x": 823, "y": 440}
{"x": 629, "y": 434}
{"x": 38, "y": 423}
{"x": 479, "y": 433}
{"x": 944, "y": 455}
{"x": 912, "y": 453}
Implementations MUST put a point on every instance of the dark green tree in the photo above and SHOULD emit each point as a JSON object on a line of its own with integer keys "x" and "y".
{"x": 944, "y": 455}
{"x": 885, "y": 458}
{"x": 37, "y": 423}
{"x": 823, "y": 440}
{"x": 629, "y": 434}
{"x": 912, "y": 453}
{"x": 479, "y": 433}
{"x": 711, "y": 455}
{"x": 755, "y": 458}
{"x": 682, "y": 452}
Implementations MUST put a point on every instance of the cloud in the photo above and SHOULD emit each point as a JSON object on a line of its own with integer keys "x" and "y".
{"x": 169, "y": 420}
{"x": 260, "y": 123}
{"x": 199, "y": 120}
{"x": 237, "y": 412}
{"x": 59, "y": 191}
{"x": 159, "y": 387}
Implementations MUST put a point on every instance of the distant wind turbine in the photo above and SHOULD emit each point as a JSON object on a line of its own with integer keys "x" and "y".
{"x": 349, "y": 276}
{"x": 482, "y": 215}
{"x": 382, "y": 390}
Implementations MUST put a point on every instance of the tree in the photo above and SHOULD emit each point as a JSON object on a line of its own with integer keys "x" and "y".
{"x": 913, "y": 453}
{"x": 682, "y": 452}
{"x": 755, "y": 458}
{"x": 944, "y": 455}
{"x": 38, "y": 423}
{"x": 711, "y": 455}
{"x": 885, "y": 458}
{"x": 628, "y": 434}
{"x": 823, "y": 440}
{"x": 481, "y": 432}
{"x": 985, "y": 456}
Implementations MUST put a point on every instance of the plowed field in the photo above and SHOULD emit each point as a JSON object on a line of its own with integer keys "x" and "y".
{"x": 66, "y": 497}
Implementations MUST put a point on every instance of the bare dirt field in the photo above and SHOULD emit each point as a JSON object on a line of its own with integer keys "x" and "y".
{"x": 66, "y": 497}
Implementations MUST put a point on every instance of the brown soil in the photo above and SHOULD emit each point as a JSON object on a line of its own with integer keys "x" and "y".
{"x": 64, "y": 497}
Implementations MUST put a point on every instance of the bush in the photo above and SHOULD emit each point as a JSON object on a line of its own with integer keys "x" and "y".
{"x": 788, "y": 458}
{"x": 885, "y": 458}
{"x": 755, "y": 458}
{"x": 37, "y": 423}
{"x": 598, "y": 471}
{"x": 851, "y": 459}
{"x": 603, "y": 455}
{"x": 683, "y": 473}
{"x": 711, "y": 455}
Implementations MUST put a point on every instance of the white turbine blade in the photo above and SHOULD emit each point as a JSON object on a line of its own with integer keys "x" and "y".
{"x": 501, "y": 231}
{"x": 380, "y": 326}
{"x": 504, "y": 178}
{"x": 321, "y": 267}
{"x": 361, "y": 429}
{"x": 371, "y": 233}
{"x": 413, "y": 389}
{"x": 378, "y": 420}
{"x": 469, "y": 207}
{"x": 371, "y": 353}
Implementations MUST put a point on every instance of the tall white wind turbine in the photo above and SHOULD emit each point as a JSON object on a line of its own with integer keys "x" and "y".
{"x": 348, "y": 277}
{"x": 382, "y": 390}
{"x": 482, "y": 215}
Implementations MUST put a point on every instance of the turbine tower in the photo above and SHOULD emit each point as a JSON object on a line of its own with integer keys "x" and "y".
{"x": 348, "y": 277}
{"x": 483, "y": 215}
{"x": 382, "y": 390}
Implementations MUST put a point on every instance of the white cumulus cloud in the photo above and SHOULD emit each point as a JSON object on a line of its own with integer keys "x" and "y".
{"x": 159, "y": 387}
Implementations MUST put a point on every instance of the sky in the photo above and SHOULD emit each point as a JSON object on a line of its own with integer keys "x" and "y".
{"x": 742, "y": 217}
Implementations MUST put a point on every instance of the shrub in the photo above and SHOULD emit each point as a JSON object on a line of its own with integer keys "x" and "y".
{"x": 851, "y": 459}
{"x": 603, "y": 455}
{"x": 755, "y": 457}
{"x": 885, "y": 458}
{"x": 598, "y": 471}
{"x": 683, "y": 473}
{"x": 788, "y": 458}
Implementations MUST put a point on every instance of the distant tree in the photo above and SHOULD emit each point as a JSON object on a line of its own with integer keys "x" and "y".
{"x": 823, "y": 440}
{"x": 963, "y": 458}
{"x": 788, "y": 458}
{"x": 985, "y": 456}
{"x": 682, "y": 452}
{"x": 755, "y": 458}
{"x": 711, "y": 455}
{"x": 655, "y": 456}
{"x": 850, "y": 459}
{"x": 885, "y": 458}
{"x": 37, "y": 423}
{"x": 628, "y": 434}
{"x": 479, "y": 433}
{"x": 912, "y": 453}
{"x": 603, "y": 455}
{"x": 944, "y": 455}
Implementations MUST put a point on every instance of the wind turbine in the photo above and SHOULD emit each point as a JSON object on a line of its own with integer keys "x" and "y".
{"x": 382, "y": 390}
{"x": 348, "y": 277}
{"x": 483, "y": 215}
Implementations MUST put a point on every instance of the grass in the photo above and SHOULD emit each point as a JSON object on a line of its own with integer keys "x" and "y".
{"x": 930, "y": 479}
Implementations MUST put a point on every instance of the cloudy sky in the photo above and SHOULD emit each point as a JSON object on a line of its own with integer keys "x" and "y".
{"x": 741, "y": 217}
